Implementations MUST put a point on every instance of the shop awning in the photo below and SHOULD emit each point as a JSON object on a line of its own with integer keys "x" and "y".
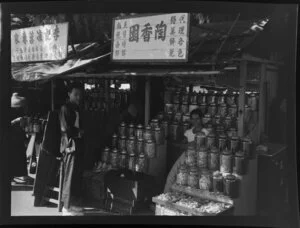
{"x": 83, "y": 55}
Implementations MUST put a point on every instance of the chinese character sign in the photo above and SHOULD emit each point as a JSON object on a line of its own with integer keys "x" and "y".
{"x": 41, "y": 43}
{"x": 158, "y": 37}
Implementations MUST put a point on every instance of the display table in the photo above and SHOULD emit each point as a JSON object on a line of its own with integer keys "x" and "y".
{"x": 93, "y": 184}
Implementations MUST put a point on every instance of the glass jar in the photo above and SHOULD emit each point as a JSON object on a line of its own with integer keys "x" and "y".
{"x": 178, "y": 117}
{"x": 200, "y": 140}
{"x": 185, "y": 108}
{"x": 105, "y": 155}
{"x": 201, "y": 98}
{"x": 230, "y": 99}
{"x": 209, "y": 128}
{"x": 226, "y": 162}
{"x": 212, "y": 109}
{"x": 165, "y": 128}
{"x": 211, "y": 98}
{"x": 158, "y": 136}
{"x": 169, "y": 107}
{"x": 217, "y": 121}
{"x": 205, "y": 180}
{"x": 253, "y": 102}
{"x": 202, "y": 157}
{"x": 176, "y": 107}
{"x": 131, "y": 162}
{"x": 246, "y": 146}
{"x": 123, "y": 159}
{"x": 222, "y": 110}
{"x": 140, "y": 146}
{"x": 182, "y": 176}
{"x": 168, "y": 96}
{"x": 232, "y": 132}
{"x": 217, "y": 182}
{"x": 239, "y": 163}
{"x": 227, "y": 122}
{"x": 221, "y": 98}
{"x": 122, "y": 129}
{"x": 176, "y": 97}
{"x": 193, "y": 98}
{"x": 114, "y": 142}
{"x": 149, "y": 148}
{"x": 130, "y": 145}
{"x": 211, "y": 140}
{"x": 206, "y": 119}
{"x": 230, "y": 186}
{"x": 203, "y": 108}
{"x": 222, "y": 142}
{"x": 154, "y": 124}
{"x": 214, "y": 158}
{"x": 130, "y": 130}
{"x": 233, "y": 110}
{"x": 139, "y": 132}
{"x": 190, "y": 156}
{"x": 185, "y": 97}
{"x": 247, "y": 111}
{"x": 141, "y": 163}
{"x": 173, "y": 131}
{"x": 193, "y": 177}
{"x": 114, "y": 159}
{"x": 234, "y": 144}
{"x": 122, "y": 143}
{"x": 193, "y": 106}
{"x": 148, "y": 133}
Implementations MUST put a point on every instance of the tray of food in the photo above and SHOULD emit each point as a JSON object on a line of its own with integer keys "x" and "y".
{"x": 189, "y": 205}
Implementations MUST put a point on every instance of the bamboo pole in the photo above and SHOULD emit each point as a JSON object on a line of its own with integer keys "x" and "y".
{"x": 147, "y": 101}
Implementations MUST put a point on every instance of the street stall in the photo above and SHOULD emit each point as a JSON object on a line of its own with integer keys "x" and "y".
{"x": 203, "y": 67}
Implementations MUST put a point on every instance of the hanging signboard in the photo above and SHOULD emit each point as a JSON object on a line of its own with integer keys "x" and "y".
{"x": 40, "y": 43}
{"x": 163, "y": 37}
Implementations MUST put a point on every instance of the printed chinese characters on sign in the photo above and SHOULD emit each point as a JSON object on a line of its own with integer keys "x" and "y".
{"x": 159, "y": 37}
{"x": 41, "y": 43}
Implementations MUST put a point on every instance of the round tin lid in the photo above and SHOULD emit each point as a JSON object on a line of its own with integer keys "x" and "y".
{"x": 141, "y": 155}
{"x": 240, "y": 154}
{"x": 123, "y": 124}
{"x": 149, "y": 141}
{"x": 115, "y": 150}
{"x": 123, "y": 152}
{"x": 140, "y": 126}
{"x": 123, "y": 137}
{"x": 157, "y": 129}
{"x": 131, "y": 125}
{"x": 214, "y": 150}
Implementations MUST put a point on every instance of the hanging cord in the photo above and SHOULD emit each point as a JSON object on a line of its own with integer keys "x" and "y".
{"x": 226, "y": 37}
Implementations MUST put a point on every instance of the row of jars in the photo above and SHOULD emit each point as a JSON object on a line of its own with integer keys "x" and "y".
{"x": 208, "y": 98}
{"x": 215, "y": 160}
{"x": 31, "y": 125}
{"x": 206, "y": 180}
{"x": 124, "y": 160}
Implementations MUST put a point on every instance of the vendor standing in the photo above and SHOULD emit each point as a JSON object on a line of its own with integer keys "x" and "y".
{"x": 73, "y": 151}
{"x": 196, "y": 121}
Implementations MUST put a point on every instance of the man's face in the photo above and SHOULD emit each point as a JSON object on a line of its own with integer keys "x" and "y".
{"x": 195, "y": 120}
{"x": 75, "y": 96}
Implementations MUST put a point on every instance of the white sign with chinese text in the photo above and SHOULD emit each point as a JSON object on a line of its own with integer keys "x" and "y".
{"x": 40, "y": 43}
{"x": 157, "y": 38}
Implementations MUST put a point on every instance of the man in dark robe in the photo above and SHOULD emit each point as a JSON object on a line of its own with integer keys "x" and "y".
{"x": 73, "y": 151}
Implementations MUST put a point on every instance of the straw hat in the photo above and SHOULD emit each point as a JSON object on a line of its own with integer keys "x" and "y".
{"x": 17, "y": 101}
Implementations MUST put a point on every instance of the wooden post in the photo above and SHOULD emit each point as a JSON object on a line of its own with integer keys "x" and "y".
{"x": 262, "y": 105}
{"x": 5, "y": 96}
{"x": 147, "y": 101}
{"x": 243, "y": 78}
{"x": 52, "y": 95}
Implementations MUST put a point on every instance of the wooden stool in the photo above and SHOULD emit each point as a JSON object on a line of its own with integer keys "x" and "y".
{"x": 58, "y": 189}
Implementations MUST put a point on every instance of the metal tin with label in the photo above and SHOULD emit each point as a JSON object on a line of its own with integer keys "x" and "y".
{"x": 239, "y": 163}
{"x": 202, "y": 158}
{"x": 226, "y": 162}
{"x": 105, "y": 155}
{"x": 114, "y": 142}
{"x": 122, "y": 143}
{"x": 123, "y": 159}
{"x": 211, "y": 140}
{"x": 149, "y": 149}
{"x": 193, "y": 177}
{"x": 122, "y": 129}
{"x": 218, "y": 182}
{"x": 182, "y": 176}
{"x": 130, "y": 145}
{"x": 214, "y": 159}
{"x": 130, "y": 130}
{"x": 139, "y": 132}
{"x": 140, "y": 146}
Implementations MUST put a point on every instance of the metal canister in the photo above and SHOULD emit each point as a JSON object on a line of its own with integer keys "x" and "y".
{"x": 212, "y": 109}
{"x": 202, "y": 158}
{"x": 122, "y": 129}
{"x": 193, "y": 98}
{"x": 217, "y": 120}
{"x": 232, "y": 132}
{"x": 141, "y": 163}
{"x": 122, "y": 143}
{"x": 123, "y": 159}
{"x": 140, "y": 146}
{"x": 193, "y": 106}
{"x": 169, "y": 107}
{"x": 246, "y": 146}
{"x": 200, "y": 140}
{"x": 230, "y": 99}
{"x": 193, "y": 177}
{"x": 182, "y": 176}
{"x": 173, "y": 131}
{"x": 233, "y": 110}
{"x": 190, "y": 156}
{"x": 158, "y": 136}
{"x": 130, "y": 145}
{"x": 139, "y": 132}
{"x": 154, "y": 124}
{"x": 206, "y": 119}
{"x": 185, "y": 108}
{"x": 149, "y": 149}
{"x": 201, "y": 98}
{"x": 211, "y": 140}
{"x": 203, "y": 107}
{"x": 165, "y": 128}
{"x": 186, "y": 118}
{"x": 226, "y": 162}
{"x": 205, "y": 180}
{"x": 218, "y": 182}
{"x": 184, "y": 97}
{"x": 114, "y": 142}
{"x": 178, "y": 116}
{"x": 234, "y": 144}
{"x": 239, "y": 163}
{"x": 230, "y": 185}
{"x": 168, "y": 96}
{"x": 222, "y": 110}
{"x": 131, "y": 162}
{"x": 176, "y": 97}
{"x": 221, "y": 98}
{"x": 114, "y": 158}
{"x": 253, "y": 101}
{"x": 105, "y": 155}
{"x": 227, "y": 122}
{"x": 170, "y": 116}
{"x": 176, "y": 107}
{"x": 130, "y": 130}
{"x": 211, "y": 97}
{"x": 148, "y": 133}
{"x": 222, "y": 142}
{"x": 214, "y": 159}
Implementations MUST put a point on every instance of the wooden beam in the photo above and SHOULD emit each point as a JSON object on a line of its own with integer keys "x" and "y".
{"x": 147, "y": 100}
{"x": 250, "y": 58}
{"x": 243, "y": 79}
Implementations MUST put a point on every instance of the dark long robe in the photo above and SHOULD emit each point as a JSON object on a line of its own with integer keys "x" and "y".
{"x": 17, "y": 146}
{"x": 73, "y": 162}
